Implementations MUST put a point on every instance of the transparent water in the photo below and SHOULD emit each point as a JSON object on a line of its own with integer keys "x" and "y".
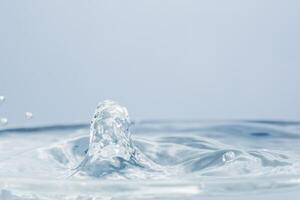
{"x": 115, "y": 158}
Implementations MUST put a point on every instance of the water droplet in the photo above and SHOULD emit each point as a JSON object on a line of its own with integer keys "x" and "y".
{"x": 3, "y": 121}
{"x": 28, "y": 115}
{"x": 228, "y": 156}
{"x": 2, "y": 99}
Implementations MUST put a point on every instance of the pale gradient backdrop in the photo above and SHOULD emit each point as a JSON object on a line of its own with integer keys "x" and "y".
{"x": 161, "y": 58}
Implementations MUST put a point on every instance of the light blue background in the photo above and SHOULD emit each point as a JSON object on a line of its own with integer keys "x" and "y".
{"x": 162, "y": 59}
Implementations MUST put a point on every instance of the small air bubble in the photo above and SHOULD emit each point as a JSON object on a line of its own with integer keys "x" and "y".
{"x": 3, "y": 121}
{"x": 228, "y": 156}
{"x": 28, "y": 115}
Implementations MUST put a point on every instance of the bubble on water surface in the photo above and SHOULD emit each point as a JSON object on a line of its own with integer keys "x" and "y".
{"x": 3, "y": 121}
{"x": 228, "y": 156}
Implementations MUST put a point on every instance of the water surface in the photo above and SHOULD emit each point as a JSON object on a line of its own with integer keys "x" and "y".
{"x": 162, "y": 159}
{"x": 182, "y": 159}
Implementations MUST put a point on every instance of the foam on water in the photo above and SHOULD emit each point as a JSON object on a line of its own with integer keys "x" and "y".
{"x": 167, "y": 158}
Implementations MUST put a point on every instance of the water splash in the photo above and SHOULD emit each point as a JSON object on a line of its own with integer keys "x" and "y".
{"x": 112, "y": 153}
{"x": 109, "y": 133}
{"x": 110, "y": 147}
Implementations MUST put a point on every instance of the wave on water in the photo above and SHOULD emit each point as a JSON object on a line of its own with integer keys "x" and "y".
{"x": 217, "y": 154}
{"x": 110, "y": 152}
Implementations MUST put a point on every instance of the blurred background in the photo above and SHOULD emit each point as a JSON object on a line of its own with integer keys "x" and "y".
{"x": 170, "y": 59}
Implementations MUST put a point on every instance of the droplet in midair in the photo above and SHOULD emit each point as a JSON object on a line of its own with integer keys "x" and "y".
{"x": 3, "y": 121}
{"x": 28, "y": 115}
{"x": 2, "y": 99}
